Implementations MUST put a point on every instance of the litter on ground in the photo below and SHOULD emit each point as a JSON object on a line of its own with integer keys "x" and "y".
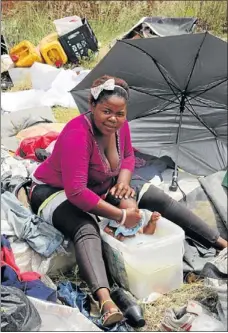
{"x": 177, "y": 114}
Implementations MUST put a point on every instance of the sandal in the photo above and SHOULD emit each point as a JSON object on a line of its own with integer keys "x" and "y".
{"x": 112, "y": 318}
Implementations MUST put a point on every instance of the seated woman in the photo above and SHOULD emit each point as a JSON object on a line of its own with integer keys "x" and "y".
{"x": 92, "y": 162}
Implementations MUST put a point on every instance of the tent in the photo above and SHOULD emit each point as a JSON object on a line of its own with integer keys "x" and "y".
{"x": 162, "y": 26}
{"x": 178, "y": 97}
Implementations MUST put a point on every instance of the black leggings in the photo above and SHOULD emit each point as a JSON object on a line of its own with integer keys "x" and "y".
{"x": 84, "y": 230}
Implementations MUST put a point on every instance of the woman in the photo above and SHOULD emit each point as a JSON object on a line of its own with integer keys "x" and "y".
{"x": 93, "y": 161}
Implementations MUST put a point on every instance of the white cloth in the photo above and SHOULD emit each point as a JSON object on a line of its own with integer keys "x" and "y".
{"x": 13, "y": 166}
{"x": 18, "y": 100}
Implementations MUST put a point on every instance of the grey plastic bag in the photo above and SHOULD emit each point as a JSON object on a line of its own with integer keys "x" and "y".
{"x": 18, "y": 314}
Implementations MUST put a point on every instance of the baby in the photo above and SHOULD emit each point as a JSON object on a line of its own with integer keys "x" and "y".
{"x": 147, "y": 224}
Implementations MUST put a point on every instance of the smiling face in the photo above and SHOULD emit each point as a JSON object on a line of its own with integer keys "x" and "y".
{"x": 109, "y": 115}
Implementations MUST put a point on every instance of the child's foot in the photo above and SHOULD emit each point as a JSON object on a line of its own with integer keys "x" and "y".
{"x": 155, "y": 217}
{"x": 150, "y": 228}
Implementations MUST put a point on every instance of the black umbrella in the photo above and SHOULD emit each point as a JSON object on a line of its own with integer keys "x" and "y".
{"x": 178, "y": 97}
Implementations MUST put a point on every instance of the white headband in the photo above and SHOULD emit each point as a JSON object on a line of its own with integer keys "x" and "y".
{"x": 107, "y": 85}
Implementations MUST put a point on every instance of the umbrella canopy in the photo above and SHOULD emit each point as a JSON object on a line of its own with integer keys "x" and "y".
{"x": 178, "y": 97}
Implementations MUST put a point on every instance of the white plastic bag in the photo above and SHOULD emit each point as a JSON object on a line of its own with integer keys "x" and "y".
{"x": 6, "y": 63}
{"x": 28, "y": 260}
{"x": 20, "y": 75}
{"x": 56, "y": 317}
{"x": 67, "y": 24}
{"x": 19, "y": 100}
{"x": 207, "y": 323}
{"x": 42, "y": 75}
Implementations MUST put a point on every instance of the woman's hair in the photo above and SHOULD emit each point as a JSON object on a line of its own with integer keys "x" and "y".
{"x": 122, "y": 89}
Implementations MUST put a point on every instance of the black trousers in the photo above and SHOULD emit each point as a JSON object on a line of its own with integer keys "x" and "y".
{"x": 84, "y": 230}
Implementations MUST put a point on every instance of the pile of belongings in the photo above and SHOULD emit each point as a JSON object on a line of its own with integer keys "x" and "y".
{"x": 55, "y": 48}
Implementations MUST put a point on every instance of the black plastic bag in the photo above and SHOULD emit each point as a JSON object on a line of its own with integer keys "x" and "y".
{"x": 18, "y": 314}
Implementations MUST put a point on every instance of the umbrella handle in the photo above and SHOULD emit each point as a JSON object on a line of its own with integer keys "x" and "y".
{"x": 173, "y": 187}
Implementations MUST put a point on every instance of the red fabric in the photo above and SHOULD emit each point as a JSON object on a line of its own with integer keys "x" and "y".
{"x": 29, "y": 145}
{"x": 7, "y": 259}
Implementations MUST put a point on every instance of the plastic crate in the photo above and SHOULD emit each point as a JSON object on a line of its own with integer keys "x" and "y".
{"x": 78, "y": 42}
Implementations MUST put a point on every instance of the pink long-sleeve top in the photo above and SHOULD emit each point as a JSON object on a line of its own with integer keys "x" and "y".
{"x": 78, "y": 166}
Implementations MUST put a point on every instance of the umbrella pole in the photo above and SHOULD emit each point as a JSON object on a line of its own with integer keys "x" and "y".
{"x": 173, "y": 187}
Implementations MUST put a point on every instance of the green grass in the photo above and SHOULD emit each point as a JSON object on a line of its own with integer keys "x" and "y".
{"x": 176, "y": 299}
{"x": 63, "y": 115}
{"x": 33, "y": 20}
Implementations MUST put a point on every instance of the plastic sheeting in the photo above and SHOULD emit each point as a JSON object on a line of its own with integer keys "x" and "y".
{"x": 217, "y": 193}
{"x": 50, "y": 87}
{"x": 56, "y": 317}
{"x": 28, "y": 260}
{"x": 18, "y": 314}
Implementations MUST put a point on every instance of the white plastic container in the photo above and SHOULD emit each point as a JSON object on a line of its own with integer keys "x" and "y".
{"x": 146, "y": 264}
{"x": 67, "y": 24}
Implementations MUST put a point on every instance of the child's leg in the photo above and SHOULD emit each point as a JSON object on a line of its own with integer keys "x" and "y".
{"x": 111, "y": 232}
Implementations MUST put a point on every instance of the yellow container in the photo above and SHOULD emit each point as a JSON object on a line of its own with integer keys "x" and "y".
{"x": 52, "y": 51}
{"x": 25, "y": 54}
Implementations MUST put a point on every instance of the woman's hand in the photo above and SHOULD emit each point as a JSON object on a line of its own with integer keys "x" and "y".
{"x": 121, "y": 190}
{"x": 133, "y": 216}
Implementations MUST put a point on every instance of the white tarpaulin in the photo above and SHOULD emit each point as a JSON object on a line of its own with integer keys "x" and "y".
{"x": 56, "y": 317}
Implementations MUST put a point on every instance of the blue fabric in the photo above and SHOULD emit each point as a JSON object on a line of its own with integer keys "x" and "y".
{"x": 72, "y": 295}
{"x": 35, "y": 288}
{"x": 129, "y": 231}
{"x": 12, "y": 277}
